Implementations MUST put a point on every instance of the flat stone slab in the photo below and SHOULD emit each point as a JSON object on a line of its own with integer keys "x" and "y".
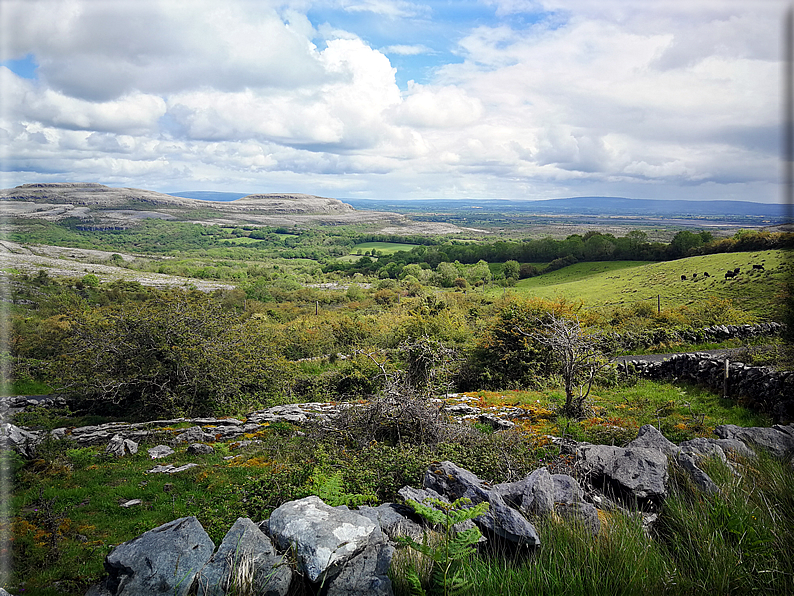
{"x": 170, "y": 469}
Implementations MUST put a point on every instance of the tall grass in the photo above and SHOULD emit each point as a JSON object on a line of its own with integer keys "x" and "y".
{"x": 737, "y": 542}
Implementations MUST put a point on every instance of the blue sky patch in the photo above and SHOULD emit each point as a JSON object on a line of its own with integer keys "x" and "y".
{"x": 23, "y": 67}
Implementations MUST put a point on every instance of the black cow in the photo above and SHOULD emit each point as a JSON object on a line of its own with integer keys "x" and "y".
{"x": 729, "y": 274}
{"x": 683, "y": 277}
{"x": 706, "y": 274}
{"x": 694, "y": 276}
{"x": 759, "y": 267}
{"x": 736, "y": 271}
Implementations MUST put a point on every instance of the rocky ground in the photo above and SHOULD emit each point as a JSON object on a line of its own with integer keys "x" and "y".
{"x": 76, "y": 262}
{"x": 104, "y": 207}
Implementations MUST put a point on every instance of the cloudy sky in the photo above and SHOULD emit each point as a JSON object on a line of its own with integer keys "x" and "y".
{"x": 519, "y": 99}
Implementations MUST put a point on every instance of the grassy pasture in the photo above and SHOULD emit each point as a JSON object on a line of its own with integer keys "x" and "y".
{"x": 624, "y": 283}
{"x": 381, "y": 247}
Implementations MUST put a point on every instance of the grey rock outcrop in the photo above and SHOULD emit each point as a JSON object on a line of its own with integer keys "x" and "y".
{"x": 324, "y": 538}
{"x": 538, "y": 495}
{"x": 366, "y": 574}
{"x": 160, "y": 451}
{"x": 164, "y": 560}
{"x": 200, "y": 449}
{"x": 194, "y": 434}
{"x": 245, "y": 560}
{"x": 698, "y": 476}
{"x": 778, "y": 440}
{"x": 394, "y": 520}
{"x": 454, "y": 483}
{"x": 20, "y": 440}
{"x": 580, "y": 513}
{"x": 631, "y": 474}
{"x": 649, "y": 437}
{"x": 119, "y": 446}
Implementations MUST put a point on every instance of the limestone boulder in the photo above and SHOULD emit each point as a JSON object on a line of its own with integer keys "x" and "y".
{"x": 164, "y": 560}
{"x": 245, "y": 560}
{"x": 636, "y": 474}
{"x": 200, "y": 449}
{"x": 324, "y": 538}
{"x": 778, "y": 440}
{"x": 119, "y": 446}
{"x": 454, "y": 483}
{"x": 394, "y": 520}
{"x": 649, "y": 437}
{"x": 20, "y": 440}
{"x": 366, "y": 574}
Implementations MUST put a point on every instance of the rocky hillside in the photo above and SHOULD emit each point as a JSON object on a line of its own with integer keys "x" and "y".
{"x": 101, "y": 206}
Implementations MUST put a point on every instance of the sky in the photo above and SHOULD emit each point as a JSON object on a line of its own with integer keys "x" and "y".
{"x": 397, "y": 99}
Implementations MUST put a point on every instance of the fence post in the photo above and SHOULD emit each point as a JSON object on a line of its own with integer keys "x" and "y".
{"x": 658, "y": 304}
{"x": 725, "y": 380}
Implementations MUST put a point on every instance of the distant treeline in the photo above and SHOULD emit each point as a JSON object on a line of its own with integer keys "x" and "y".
{"x": 592, "y": 246}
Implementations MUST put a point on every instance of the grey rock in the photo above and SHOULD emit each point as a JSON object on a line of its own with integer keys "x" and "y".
{"x": 580, "y": 513}
{"x": 538, "y": 496}
{"x": 779, "y": 443}
{"x": 393, "y": 520}
{"x": 131, "y": 503}
{"x": 495, "y": 422}
{"x": 324, "y": 538}
{"x": 700, "y": 448}
{"x": 511, "y": 492}
{"x": 698, "y": 476}
{"x": 20, "y": 440}
{"x": 245, "y": 560}
{"x": 365, "y": 574}
{"x": 119, "y": 446}
{"x": 454, "y": 483}
{"x": 164, "y": 560}
{"x": 193, "y": 435}
{"x": 638, "y": 473}
{"x": 649, "y": 437}
{"x": 420, "y": 494}
{"x": 566, "y": 489}
{"x": 170, "y": 469}
{"x": 200, "y": 449}
{"x": 507, "y": 523}
{"x": 160, "y": 451}
{"x": 3, "y": 592}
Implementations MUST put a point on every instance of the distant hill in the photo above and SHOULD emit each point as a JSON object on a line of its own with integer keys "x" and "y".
{"x": 105, "y": 207}
{"x": 607, "y": 206}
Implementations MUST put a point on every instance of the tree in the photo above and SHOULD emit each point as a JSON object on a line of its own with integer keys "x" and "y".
{"x": 511, "y": 269}
{"x": 576, "y": 355}
{"x": 180, "y": 353}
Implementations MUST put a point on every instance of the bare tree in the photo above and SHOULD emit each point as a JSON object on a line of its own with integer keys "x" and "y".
{"x": 577, "y": 356}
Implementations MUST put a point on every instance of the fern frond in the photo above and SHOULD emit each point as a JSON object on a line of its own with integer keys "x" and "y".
{"x": 412, "y": 577}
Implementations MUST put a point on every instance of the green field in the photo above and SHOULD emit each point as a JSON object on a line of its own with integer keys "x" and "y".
{"x": 381, "y": 247}
{"x": 623, "y": 283}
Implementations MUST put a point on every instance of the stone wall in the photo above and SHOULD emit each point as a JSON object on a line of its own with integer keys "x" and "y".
{"x": 716, "y": 333}
{"x": 770, "y": 390}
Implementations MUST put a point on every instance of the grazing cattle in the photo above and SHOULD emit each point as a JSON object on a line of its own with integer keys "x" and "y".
{"x": 759, "y": 267}
{"x": 683, "y": 277}
{"x": 729, "y": 274}
{"x": 694, "y": 276}
{"x": 736, "y": 271}
{"x": 706, "y": 274}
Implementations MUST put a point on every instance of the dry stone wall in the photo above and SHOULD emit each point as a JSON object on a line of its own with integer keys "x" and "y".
{"x": 769, "y": 389}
